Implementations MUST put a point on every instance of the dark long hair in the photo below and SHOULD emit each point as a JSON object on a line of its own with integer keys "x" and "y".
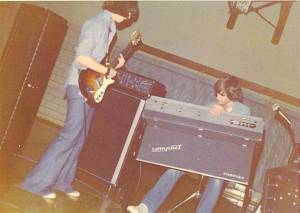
{"x": 231, "y": 87}
{"x": 123, "y": 8}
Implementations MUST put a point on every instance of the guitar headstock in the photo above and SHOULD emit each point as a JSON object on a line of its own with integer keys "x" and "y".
{"x": 135, "y": 37}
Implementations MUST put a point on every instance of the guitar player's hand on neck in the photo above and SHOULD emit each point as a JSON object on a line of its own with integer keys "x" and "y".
{"x": 121, "y": 62}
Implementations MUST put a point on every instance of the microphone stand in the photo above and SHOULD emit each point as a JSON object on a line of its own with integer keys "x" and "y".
{"x": 289, "y": 126}
{"x": 291, "y": 130}
{"x": 294, "y": 154}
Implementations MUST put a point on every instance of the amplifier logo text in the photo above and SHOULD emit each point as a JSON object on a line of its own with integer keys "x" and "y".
{"x": 167, "y": 148}
{"x": 233, "y": 175}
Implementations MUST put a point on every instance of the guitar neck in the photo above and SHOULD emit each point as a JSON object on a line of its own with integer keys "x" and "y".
{"x": 127, "y": 53}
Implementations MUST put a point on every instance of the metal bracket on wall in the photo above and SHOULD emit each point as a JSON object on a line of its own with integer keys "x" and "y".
{"x": 236, "y": 8}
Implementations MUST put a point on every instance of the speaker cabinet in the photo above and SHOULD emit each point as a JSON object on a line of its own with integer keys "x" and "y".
{"x": 108, "y": 156}
{"x": 110, "y": 137}
{"x": 191, "y": 153}
{"x": 36, "y": 36}
{"x": 281, "y": 189}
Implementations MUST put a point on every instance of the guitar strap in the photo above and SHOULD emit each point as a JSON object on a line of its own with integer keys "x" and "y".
{"x": 107, "y": 58}
{"x": 109, "y": 51}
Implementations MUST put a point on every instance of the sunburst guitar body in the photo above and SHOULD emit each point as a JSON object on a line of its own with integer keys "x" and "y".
{"x": 93, "y": 84}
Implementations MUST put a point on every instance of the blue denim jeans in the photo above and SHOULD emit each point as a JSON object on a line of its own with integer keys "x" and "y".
{"x": 57, "y": 167}
{"x": 156, "y": 196}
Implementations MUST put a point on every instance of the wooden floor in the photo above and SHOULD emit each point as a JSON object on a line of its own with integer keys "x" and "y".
{"x": 13, "y": 168}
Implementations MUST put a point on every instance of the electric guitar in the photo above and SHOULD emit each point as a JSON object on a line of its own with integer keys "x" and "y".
{"x": 93, "y": 84}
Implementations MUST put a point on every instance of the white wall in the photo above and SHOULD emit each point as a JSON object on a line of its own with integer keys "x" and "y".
{"x": 197, "y": 30}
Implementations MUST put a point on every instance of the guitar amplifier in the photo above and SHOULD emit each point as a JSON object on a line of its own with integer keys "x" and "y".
{"x": 138, "y": 85}
{"x": 282, "y": 189}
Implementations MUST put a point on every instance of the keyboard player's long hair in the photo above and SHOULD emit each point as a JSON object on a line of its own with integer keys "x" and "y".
{"x": 231, "y": 87}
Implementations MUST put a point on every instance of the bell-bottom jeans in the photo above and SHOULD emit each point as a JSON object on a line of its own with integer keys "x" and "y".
{"x": 156, "y": 196}
{"x": 57, "y": 167}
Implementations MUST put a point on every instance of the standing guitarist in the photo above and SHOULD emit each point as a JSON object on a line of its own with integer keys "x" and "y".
{"x": 56, "y": 169}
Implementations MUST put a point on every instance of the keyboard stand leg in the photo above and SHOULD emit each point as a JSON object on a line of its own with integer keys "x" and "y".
{"x": 196, "y": 195}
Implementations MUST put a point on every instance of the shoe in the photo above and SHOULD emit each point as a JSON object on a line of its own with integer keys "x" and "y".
{"x": 51, "y": 195}
{"x": 141, "y": 208}
{"x": 74, "y": 194}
